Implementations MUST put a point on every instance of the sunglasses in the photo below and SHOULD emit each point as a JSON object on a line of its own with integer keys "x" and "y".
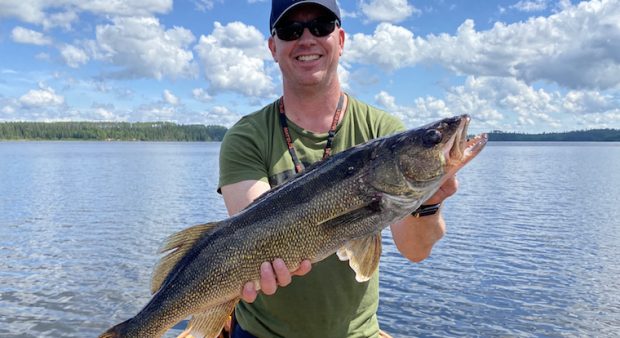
{"x": 293, "y": 30}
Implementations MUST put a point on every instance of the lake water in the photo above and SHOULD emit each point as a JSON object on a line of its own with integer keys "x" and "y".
{"x": 532, "y": 249}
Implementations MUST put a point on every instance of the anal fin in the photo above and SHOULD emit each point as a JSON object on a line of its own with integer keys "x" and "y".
{"x": 210, "y": 322}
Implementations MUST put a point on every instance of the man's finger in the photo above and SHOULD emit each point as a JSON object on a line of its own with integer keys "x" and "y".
{"x": 267, "y": 279}
{"x": 248, "y": 294}
{"x": 282, "y": 274}
{"x": 304, "y": 267}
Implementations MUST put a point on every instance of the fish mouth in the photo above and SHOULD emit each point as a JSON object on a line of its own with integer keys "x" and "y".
{"x": 460, "y": 149}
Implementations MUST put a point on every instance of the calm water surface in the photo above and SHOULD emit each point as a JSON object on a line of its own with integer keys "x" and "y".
{"x": 532, "y": 246}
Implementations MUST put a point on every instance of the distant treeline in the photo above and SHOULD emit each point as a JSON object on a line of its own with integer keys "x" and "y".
{"x": 168, "y": 131}
{"x": 110, "y": 131}
{"x": 593, "y": 135}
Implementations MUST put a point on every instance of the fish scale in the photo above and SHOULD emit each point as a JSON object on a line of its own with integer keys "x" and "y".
{"x": 339, "y": 205}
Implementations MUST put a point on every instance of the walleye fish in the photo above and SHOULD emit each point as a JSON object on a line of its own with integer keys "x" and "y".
{"x": 339, "y": 205}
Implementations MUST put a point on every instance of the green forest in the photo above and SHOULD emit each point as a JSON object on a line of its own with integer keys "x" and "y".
{"x": 593, "y": 135}
{"x": 110, "y": 131}
{"x": 168, "y": 131}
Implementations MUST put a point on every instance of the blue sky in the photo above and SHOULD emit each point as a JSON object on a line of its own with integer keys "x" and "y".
{"x": 519, "y": 65}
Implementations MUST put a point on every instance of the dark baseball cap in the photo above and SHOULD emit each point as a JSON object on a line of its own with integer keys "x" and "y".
{"x": 280, "y": 7}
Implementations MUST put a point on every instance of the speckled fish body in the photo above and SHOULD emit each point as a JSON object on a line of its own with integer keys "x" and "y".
{"x": 339, "y": 205}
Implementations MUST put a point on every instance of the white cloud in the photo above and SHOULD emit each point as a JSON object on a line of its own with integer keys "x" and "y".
{"x": 510, "y": 105}
{"x": 589, "y": 102}
{"x": 530, "y": 5}
{"x": 41, "y": 98}
{"x": 610, "y": 119}
{"x": 63, "y": 12}
{"x": 563, "y": 4}
{"x": 123, "y": 8}
{"x": 390, "y": 47}
{"x": 8, "y": 110}
{"x": 8, "y": 107}
{"x": 141, "y": 47}
{"x": 201, "y": 95}
{"x": 28, "y": 36}
{"x": 62, "y": 19}
{"x": 170, "y": 98}
{"x": 155, "y": 112}
{"x": 73, "y": 56}
{"x": 102, "y": 112}
{"x": 505, "y": 104}
{"x": 27, "y": 11}
{"x": 423, "y": 110}
{"x": 221, "y": 116}
{"x": 578, "y": 47}
{"x": 241, "y": 36}
{"x": 494, "y": 99}
{"x": 205, "y": 5}
{"x": 343, "y": 76}
{"x": 386, "y": 100}
{"x": 105, "y": 114}
{"x": 43, "y": 56}
{"x": 387, "y": 10}
{"x": 541, "y": 73}
{"x": 234, "y": 57}
{"x": 169, "y": 108}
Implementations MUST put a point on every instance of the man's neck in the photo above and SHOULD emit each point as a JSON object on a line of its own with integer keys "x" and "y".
{"x": 313, "y": 111}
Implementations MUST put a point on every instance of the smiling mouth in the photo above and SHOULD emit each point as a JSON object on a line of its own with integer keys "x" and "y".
{"x": 307, "y": 58}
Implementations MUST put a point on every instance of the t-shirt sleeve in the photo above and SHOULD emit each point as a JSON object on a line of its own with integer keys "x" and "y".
{"x": 389, "y": 124}
{"x": 241, "y": 155}
{"x": 383, "y": 123}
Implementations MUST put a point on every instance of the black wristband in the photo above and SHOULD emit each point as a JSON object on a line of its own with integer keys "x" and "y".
{"x": 426, "y": 210}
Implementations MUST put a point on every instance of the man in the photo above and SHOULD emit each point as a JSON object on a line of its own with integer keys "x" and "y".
{"x": 313, "y": 119}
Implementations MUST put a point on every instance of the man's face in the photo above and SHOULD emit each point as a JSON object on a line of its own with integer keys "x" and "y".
{"x": 309, "y": 60}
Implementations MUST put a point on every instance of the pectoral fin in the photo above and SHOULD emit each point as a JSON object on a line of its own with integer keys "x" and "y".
{"x": 363, "y": 255}
{"x": 354, "y": 215}
{"x": 209, "y": 323}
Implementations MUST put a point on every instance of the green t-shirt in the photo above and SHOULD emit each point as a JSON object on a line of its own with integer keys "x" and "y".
{"x": 328, "y": 301}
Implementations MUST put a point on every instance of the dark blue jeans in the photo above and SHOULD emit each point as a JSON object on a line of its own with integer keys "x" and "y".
{"x": 238, "y": 332}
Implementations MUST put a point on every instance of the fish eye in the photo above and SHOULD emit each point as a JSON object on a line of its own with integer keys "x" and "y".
{"x": 432, "y": 137}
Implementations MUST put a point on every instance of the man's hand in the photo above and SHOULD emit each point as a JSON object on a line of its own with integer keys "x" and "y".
{"x": 446, "y": 190}
{"x": 272, "y": 276}
{"x": 415, "y": 237}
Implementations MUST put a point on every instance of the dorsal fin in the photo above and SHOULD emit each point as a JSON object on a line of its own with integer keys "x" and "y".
{"x": 178, "y": 245}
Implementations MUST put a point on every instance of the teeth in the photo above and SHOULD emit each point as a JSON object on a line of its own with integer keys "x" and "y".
{"x": 308, "y": 57}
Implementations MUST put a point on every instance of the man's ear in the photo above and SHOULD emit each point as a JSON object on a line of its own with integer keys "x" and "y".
{"x": 272, "y": 48}
{"x": 341, "y": 36}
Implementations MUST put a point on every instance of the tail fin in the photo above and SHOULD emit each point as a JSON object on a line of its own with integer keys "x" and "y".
{"x": 116, "y": 331}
